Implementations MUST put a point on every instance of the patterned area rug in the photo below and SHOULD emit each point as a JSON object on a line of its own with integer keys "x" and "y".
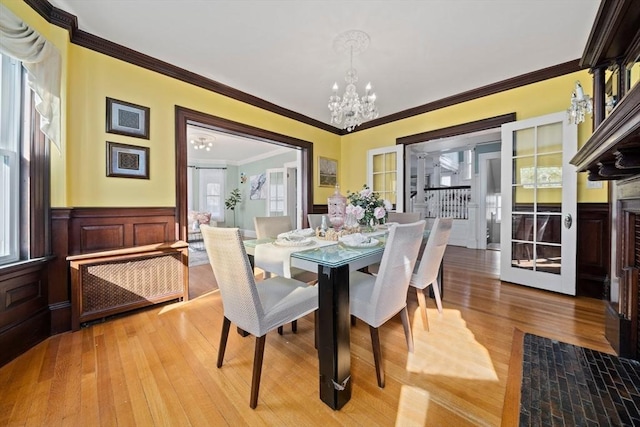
{"x": 567, "y": 385}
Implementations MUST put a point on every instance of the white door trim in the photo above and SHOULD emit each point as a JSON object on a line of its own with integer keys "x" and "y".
{"x": 481, "y": 223}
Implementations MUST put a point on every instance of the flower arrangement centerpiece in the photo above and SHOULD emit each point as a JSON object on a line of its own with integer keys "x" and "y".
{"x": 367, "y": 207}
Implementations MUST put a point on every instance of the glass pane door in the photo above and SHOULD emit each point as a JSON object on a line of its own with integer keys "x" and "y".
{"x": 539, "y": 189}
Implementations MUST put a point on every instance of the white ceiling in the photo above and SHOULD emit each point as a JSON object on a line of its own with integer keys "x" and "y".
{"x": 282, "y": 51}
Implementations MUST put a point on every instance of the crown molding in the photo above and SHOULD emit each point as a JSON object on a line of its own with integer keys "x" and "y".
{"x": 69, "y": 22}
{"x": 82, "y": 38}
{"x": 491, "y": 89}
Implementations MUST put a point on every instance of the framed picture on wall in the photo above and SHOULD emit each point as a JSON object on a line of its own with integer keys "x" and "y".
{"x": 258, "y": 189}
{"x": 128, "y": 119}
{"x": 327, "y": 172}
{"x": 127, "y": 161}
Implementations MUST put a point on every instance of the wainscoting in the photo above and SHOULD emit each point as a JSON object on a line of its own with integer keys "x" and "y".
{"x": 593, "y": 254}
{"x": 35, "y": 295}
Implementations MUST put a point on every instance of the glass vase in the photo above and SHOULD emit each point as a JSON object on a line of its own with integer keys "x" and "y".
{"x": 337, "y": 204}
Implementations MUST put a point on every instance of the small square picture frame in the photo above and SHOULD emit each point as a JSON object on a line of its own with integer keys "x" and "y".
{"x": 327, "y": 172}
{"x": 127, "y": 161}
{"x": 125, "y": 118}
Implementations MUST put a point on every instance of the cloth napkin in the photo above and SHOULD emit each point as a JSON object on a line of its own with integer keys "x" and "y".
{"x": 277, "y": 259}
{"x": 304, "y": 232}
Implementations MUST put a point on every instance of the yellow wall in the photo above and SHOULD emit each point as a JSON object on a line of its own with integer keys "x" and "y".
{"x": 96, "y": 76}
{"x": 533, "y": 100}
{"x": 79, "y": 173}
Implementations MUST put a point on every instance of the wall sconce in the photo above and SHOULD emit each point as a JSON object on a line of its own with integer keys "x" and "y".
{"x": 580, "y": 105}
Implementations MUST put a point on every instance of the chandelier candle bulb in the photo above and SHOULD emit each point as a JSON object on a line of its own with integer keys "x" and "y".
{"x": 579, "y": 92}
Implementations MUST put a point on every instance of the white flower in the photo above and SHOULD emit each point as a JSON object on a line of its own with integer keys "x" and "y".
{"x": 387, "y": 205}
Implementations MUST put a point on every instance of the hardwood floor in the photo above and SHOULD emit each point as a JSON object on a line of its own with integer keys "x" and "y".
{"x": 158, "y": 366}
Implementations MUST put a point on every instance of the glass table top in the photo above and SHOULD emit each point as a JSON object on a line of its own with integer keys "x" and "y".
{"x": 335, "y": 255}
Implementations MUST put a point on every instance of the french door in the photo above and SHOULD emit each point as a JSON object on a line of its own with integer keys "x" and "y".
{"x": 385, "y": 174}
{"x": 539, "y": 203}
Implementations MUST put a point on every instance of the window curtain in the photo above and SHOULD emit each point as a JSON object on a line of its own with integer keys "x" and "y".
{"x": 42, "y": 60}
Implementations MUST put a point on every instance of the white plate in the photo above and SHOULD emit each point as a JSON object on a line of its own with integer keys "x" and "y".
{"x": 373, "y": 242}
{"x": 293, "y": 243}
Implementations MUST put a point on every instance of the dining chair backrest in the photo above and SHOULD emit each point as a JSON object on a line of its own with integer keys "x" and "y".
{"x": 315, "y": 220}
{"x": 434, "y": 250}
{"x": 396, "y": 267}
{"x": 268, "y": 227}
{"x": 403, "y": 217}
{"x": 234, "y": 276}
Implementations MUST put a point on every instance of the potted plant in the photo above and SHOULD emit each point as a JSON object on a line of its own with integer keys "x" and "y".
{"x": 232, "y": 201}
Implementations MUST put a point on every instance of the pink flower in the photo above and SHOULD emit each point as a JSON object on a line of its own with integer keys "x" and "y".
{"x": 358, "y": 211}
{"x": 366, "y": 193}
{"x": 379, "y": 212}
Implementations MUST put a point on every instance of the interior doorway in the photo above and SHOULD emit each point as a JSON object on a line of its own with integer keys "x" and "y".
{"x": 490, "y": 201}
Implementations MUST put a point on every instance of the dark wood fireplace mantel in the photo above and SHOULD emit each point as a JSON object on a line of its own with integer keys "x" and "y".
{"x": 612, "y": 153}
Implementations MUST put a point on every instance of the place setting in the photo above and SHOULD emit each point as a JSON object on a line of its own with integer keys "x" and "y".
{"x": 295, "y": 238}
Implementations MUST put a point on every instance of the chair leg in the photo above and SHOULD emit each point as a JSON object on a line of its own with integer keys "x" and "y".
{"x": 436, "y": 294}
{"x": 294, "y": 328}
{"x": 257, "y": 370}
{"x": 226, "y": 323}
{"x": 377, "y": 355}
{"x": 422, "y": 306}
{"x": 404, "y": 315}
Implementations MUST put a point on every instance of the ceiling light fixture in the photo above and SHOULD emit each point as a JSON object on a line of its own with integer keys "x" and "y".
{"x": 202, "y": 143}
{"x": 351, "y": 110}
{"x": 580, "y": 105}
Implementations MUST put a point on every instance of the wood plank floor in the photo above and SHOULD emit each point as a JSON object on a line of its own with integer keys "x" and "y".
{"x": 158, "y": 366}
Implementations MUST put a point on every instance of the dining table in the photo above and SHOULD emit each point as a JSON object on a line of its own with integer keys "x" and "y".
{"x": 333, "y": 262}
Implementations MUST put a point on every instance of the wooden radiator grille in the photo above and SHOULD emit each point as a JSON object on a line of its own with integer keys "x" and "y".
{"x": 111, "y": 282}
{"x": 120, "y": 283}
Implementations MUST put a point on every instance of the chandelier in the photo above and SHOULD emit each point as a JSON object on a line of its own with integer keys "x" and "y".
{"x": 580, "y": 105}
{"x": 351, "y": 110}
{"x": 201, "y": 143}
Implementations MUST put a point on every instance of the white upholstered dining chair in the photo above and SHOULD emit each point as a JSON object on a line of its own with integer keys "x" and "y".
{"x": 427, "y": 271}
{"x": 376, "y": 299}
{"x": 403, "y": 217}
{"x": 268, "y": 227}
{"x": 254, "y": 309}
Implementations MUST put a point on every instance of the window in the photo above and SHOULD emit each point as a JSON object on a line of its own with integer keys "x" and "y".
{"x": 212, "y": 190}
{"x": 24, "y": 169}
{"x": 10, "y": 153}
{"x": 385, "y": 174}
